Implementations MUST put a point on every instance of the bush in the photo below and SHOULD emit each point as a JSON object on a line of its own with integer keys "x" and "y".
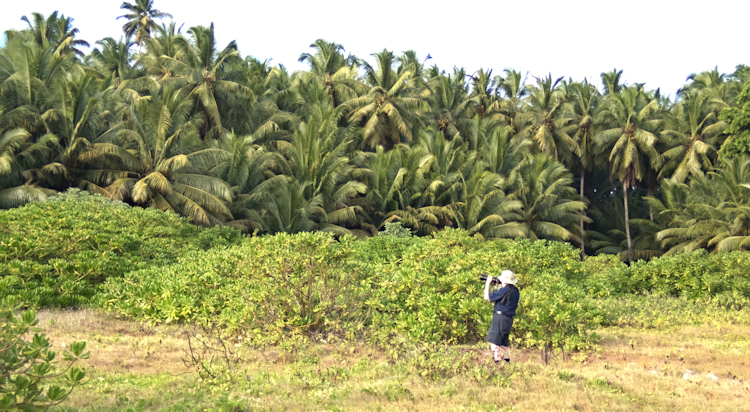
{"x": 274, "y": 288}
{"x": 25, "y": 366}
{"x": 434, "y": 293}
{"x": 286, "y": 287}
{"x": 656, "y": 311}
{"x": 57, "y": 252}
{"x": 722, "y": 278}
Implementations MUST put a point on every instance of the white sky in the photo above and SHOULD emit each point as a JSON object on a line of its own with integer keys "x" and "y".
{"x": 655, "y": 42}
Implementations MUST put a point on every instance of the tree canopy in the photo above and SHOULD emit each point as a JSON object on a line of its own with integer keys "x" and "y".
{"x": 169, "y": 119}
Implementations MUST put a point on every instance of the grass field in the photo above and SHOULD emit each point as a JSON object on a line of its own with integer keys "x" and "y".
{"x": 139, "y": 368}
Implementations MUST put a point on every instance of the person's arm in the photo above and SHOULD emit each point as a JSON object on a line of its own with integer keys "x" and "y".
{"x": 487, "y": 288}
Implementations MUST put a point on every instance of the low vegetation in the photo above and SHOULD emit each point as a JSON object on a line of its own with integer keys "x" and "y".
{"x": 140, "y": 368}
{"x": 55, "y": 253}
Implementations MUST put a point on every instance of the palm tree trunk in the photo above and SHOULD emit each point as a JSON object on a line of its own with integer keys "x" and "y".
{"x": 583, "y": 246}
{"x": 627, "y": 221}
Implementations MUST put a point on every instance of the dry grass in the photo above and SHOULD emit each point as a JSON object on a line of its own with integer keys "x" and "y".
{"x": 116, "y": 345}
{"x": 140, "y": 367}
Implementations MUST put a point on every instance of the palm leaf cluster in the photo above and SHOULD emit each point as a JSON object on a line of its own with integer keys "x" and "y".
{"x": 169, "y": 119}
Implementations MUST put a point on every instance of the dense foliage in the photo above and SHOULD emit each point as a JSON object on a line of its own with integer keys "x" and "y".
{"x": 54, "y": 253}
{"x": 286, "y": 288}
{"x": 168, "y": 119}
{"x": 392, "y": 290}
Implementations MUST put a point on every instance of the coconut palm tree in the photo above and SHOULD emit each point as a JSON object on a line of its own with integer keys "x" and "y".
{"x": 388, "y": 111}
{"x": 483, "y": 94}
{"x": 395, "y": 181}
{"x": 173, "y": 170}
{"x": 498, "y": 152}
{"x": 249, "y": 166}
{"x": 550, "y": 122}
{"x": 714, "y": 212}
{"x": 17, "y": 155}
{"x": 586, "y": 99}
{"x": 451, "y": 109}
{"x": 212, "y": 76}
{"x": 336, "y": 72}
{"x": 114, "y": 60}
{"x": 693, "y": 138}
{"x": 512, "y": 90}
{"x": 549, "y": 206}
{"x": 140, "y": 19}
{"x": 716, "y": 86}
{"x": 28, "y": 73}
{"x": 485, "y": 208}
{"x": 626, "y": 124}
{"x": 611, "y": 81}
{"x": 317, "y": 158}
{"x": 55, "y": 34}
{"x": 452, "y": 163}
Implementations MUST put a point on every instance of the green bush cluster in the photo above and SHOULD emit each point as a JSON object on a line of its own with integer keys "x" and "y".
{"x": 55, "y": 253}
{"x": 280, "y": 288}
{"x": 387, "y": 289}
{"x": 274, "y": 288}
{"x": 721, "y": 278}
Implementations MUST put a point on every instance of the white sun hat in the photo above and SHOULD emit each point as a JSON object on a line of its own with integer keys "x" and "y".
{"x": 508, "y": 277}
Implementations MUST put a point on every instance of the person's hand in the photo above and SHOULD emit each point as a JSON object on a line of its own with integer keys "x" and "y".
{"x": 489, "y": 279}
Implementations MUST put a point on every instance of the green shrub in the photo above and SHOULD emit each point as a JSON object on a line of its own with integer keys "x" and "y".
{"x": 286, "y": 287}
{"x": 657, "y": 311}
{"x": 434, "y": 294}
{"x": 723, "y": 278}
{"x": 56, "y": 252}
{"x": 27, "y": 366}
{"x": 274, "y": 288}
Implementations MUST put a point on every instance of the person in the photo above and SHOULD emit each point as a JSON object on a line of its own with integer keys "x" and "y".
{"x": 505, "y": 300}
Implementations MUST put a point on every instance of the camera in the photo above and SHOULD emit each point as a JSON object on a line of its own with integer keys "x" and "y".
{"x": 495, "y": 280}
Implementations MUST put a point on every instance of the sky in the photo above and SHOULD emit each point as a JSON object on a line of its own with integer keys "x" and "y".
{"x": 655, "y": 42}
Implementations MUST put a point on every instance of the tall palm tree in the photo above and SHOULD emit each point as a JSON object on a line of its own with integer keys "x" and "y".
{"x": 512, "y": 91}
{"x": 586, "y": 99}
{"x": 451, "y": 109}
{"x": 173, "y": 170}
{"x": 336, "y": 72}
{"x": 716, "y": 86}
{"x": 484, "y": 93}
{"x": 626, "y": 125}
{"x": 388, "y": 111}
{"x": 162, "y": 43}
{"x": 611, "y": 81}
{"x": 140, "y": 19}
{"x": 693, "y": 138}
{"x": 212, "y": 76}
{"x": 55, "y": 34}
{"x": 114, "y": 60}
{"x": 550, "y": 122}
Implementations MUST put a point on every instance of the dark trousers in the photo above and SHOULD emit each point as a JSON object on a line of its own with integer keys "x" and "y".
{"x": 499, "y": 333}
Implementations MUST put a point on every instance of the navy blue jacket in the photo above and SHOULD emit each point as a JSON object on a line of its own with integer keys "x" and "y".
{"x": 506, "y": 299}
